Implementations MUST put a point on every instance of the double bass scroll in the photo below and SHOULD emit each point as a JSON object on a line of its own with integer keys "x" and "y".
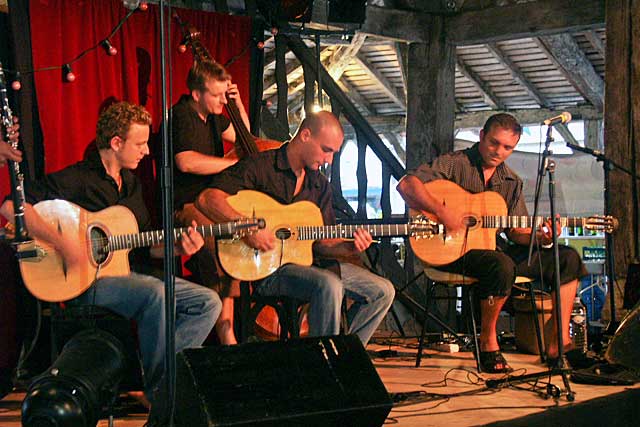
{"x": 246, "y": 144}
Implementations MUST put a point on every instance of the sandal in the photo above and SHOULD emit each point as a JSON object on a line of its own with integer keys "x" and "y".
{"x": 493, "y": 362}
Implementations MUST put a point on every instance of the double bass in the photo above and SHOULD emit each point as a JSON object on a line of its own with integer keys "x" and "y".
{"x": 246, "y": 144}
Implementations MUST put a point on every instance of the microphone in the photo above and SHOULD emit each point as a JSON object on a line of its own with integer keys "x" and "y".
{"x": 564, "y": 117}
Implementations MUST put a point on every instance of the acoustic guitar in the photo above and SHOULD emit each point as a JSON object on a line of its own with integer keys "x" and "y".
{"x": 108, "y": 236}
{"x": 485, "y": 214}
{"x": 295, "y": 228}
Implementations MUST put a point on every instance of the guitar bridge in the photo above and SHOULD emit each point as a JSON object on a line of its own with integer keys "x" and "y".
{"x": 30, "y": 251}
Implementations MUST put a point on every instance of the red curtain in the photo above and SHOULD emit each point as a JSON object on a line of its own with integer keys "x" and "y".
{"x": 61, "y": 29}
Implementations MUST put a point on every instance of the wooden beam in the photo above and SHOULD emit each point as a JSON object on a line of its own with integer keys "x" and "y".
{"x": 476, "y": 119}
{"x": 343, "y": 55}
{"x": 293, "y": 66}
{"x": 523, "y": 20}
{"x": 593, "y": 135}
{"x": 622, "y": 125}
{"x": 356, "y": 97}
{"x": 564, "y": 131}
{"x": 391, "y": 91}
{"x": 272, "y": 127}
{"x": 563, "y": 50}
{"x": 395, "y": 143}
{"x": 517, "y": 75}
{"x": 596, "y": 42}
{"x": 489, "y": 97}
{"x": 396, "y": 24}
{"x": 349, "y": 109}
{"x": 281, "y": 81}
{"x": 431, "y": 104}
{"x": 401, "y": 52}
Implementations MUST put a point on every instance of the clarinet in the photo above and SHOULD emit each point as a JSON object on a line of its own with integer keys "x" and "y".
{"x": 15, "y": 176}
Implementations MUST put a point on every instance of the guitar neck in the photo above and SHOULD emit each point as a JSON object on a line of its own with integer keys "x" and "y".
{"x": 156, "y": 237}
{"x": 512, "y": 221}
{"x": 346, "y": 231}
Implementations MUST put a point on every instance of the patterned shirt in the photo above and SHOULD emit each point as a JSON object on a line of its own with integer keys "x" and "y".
{"x": 465, "y": 169}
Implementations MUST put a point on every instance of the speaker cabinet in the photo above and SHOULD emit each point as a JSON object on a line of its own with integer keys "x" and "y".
{"x": 311, "y": 381}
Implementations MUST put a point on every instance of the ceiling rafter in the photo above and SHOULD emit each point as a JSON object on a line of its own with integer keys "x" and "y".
{"x": 385, "y": 85}
{"x": 517, "y": 75}
{"x": 565, "y": 53}
{"x": 490, "y": 98}
{"x": 596, "y": 42}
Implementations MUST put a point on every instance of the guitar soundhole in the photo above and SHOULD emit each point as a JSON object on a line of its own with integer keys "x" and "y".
{"x": 283, "y": 234}
{"x": 99, "y": 243}
{"x": 470, "y": 221}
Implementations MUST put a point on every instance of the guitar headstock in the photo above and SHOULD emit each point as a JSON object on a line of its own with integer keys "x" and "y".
{"x": 607, "y": 224}
{"x": 422, "y": 227}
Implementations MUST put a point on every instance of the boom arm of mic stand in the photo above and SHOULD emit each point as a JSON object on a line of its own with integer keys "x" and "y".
{"x": 607, "y": 164}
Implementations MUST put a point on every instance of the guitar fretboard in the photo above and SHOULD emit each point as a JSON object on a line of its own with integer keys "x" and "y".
{"x": 505, "y": 221}
{"x": 151, "y": 238}
{"x": 346, "y": 231}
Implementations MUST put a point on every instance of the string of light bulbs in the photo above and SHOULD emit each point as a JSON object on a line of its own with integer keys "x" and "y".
{"x": 67, "y": 71}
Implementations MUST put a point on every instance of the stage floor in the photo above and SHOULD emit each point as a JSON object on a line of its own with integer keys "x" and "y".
{"x": 429, "y": 390}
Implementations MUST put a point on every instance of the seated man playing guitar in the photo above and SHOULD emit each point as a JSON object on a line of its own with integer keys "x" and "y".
{"x": 291, "y": 174}
{"x": 105, "y": 179}
{"x": 478, "y": 169}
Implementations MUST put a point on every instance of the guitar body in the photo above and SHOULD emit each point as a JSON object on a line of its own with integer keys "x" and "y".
{"x": 445, "y": 248}
{"x": 48, "y": 278}
{"x": 245, "y": 263}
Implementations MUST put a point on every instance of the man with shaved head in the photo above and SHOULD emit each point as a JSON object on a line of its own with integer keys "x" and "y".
{"x": 291, "y": 174}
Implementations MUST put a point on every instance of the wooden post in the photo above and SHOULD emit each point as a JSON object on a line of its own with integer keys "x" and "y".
{"x": 622, "y": 123}
{"x": 281, "y": 81}
{"x": 431, "y": 103}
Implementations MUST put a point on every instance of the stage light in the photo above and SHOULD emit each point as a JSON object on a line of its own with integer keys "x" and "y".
{"x": 108, "y": 47}
{"x": 143, "y": 6}
{"x": 67, "y": 73}
{"x": 83, "y": 378}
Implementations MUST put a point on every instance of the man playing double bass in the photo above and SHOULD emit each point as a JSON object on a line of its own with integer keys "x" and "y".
{"x": 198, "y": 128}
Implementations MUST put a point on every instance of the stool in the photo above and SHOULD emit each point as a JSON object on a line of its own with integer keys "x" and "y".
{"x": 449, "y": 279}
{"x": 436, "y": 276}
{"x": 286, "y": 308}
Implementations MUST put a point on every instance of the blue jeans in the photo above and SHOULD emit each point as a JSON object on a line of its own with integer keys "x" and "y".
{"x": 141, "y": 298}
{"x": 372, "y": 296}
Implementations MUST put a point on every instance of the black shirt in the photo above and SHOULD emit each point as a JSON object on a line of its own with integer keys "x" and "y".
{"x": 270, "y": 172}
{"x": 88, "y": 185}
{"x": 190, "y": 133}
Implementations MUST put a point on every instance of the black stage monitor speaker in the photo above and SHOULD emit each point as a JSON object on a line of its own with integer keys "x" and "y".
{"x": 326, "y": 381}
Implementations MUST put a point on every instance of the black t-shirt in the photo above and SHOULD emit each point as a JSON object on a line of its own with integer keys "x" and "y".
{"x": 190, "y": 133}
{"x": 269, "y": 172}
{"x": 88, "y": 185}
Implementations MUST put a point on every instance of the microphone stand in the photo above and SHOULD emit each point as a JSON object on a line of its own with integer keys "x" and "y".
{"x": 608, "y": 165}
{"x": 169, "y": 392}
{"x": 546, "y": 165}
